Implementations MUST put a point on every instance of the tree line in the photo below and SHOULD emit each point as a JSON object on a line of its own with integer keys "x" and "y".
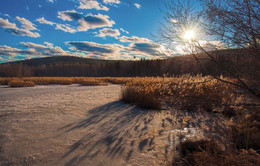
{"x": 171, "y": 66}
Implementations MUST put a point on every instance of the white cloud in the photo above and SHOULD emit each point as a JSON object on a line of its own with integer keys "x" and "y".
{"x": 91, "y": 47}
{"x": 148, "y": 49}
{"x": 138, "y": 6}
{"x": 65, "y": 28}
{"x": 108, "y": 32}
{"x": 86, "y": 22}
{"x": 6, "y": 24}
{"x": 116, "y": 51}
{"x": 33, "y": 50}
{"x": 174, "y": 21}
{"x": 48, "y": 44}
{"x": 7, "y": 58}
{"x": 9, "y": 51}
{"x": 50, "y": 1}
{"x": 96, "y": 50}
{"x": 91, "y": 4}
{"x": 45, "y": 50}
{"x": 94, "y": 21}
{"x": 206, "y": 45}
{"x": 31, "y": 45}
{"x": 26, "y": 24}
{"x": 212, "y": 45}
{"x": 69, "y": 15}
{"x": 42, "y": 20}
{"x": 22, "y": 32}
{"x": 13, "y": 29}
{"x": 124, "y": 30}
{"x": 134, "y": 39}
{"x": 111, "y": 1}
{"x": 144, "y": 47}
{"x": 86, "y": 49}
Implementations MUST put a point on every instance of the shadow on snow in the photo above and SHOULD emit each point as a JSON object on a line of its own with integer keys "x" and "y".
{"x": 110, "y": 129}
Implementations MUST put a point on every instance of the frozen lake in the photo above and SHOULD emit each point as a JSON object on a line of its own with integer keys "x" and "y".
{"x": 86, "y": 125}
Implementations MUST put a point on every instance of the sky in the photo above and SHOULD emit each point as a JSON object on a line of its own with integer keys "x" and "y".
{"x": 102, "y": 29}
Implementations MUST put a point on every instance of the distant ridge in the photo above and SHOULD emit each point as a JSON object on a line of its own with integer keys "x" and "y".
{"x": 59, "y": 59}
{"x": 73, "y": 59}
{"x": 238, "y": 61}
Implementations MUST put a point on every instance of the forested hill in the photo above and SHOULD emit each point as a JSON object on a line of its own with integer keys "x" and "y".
{"x": 237, "y": 61}
{"x": 58, "y": 59}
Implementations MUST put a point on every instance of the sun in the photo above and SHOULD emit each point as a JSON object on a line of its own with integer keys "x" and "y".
{"x": 189, "y": 35}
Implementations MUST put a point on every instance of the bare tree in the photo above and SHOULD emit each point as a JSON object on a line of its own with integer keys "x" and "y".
{"x": 237, "y": 24}
{"x": 179, "y": 17}
{"x": 234, "y": 22}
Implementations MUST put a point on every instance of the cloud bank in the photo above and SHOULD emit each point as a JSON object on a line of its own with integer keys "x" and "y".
{"x": 111, "y": 1}
{"x": 26, "y": 24}
{"x": 134, "y": 39}
{"x": 13, "y": 29}
{"x": 108, "y": 32}
{"x": 91, "y": 4}
{"x": 86, "y": 22}
{"x": 116, "y": 51}
{"x": 42, "y": 20}
{"x": 62, "y": 27}
{"x": 85, "y": 49}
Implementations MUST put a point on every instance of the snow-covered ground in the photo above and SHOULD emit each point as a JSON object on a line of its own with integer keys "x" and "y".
{"x": 88, "y": 125}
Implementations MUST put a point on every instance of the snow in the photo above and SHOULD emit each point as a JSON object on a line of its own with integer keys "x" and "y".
{"x": 88, "y": 125}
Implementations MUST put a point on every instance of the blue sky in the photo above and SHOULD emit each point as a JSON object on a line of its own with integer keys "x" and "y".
{"x": 104, "y": 29}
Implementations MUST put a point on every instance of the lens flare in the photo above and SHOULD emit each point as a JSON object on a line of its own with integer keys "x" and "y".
{"x": 189, "y": 35}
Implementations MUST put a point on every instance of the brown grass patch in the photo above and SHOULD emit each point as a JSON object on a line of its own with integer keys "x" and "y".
{"x": 20, "y": 83}
{"x": 185, "y": 92}
{"x": 141, "y": 97}
{"x": 93, "y": 83}
{"x": 58, "y": 80}
{"x": 117, "y": 80}
{"x": 205, "y": 152}
{"x": 246, "y": 131}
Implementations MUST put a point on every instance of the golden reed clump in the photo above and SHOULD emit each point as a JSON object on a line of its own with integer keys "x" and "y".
{"x": 184, "y": 92}
{"x": 86, "y": 81}
{"x": 20, "y": 83}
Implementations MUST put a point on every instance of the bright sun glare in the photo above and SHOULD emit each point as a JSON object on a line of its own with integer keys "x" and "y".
{"x": 189, "y": 35}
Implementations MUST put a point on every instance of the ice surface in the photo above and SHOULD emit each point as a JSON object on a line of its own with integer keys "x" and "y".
{"x": 88, "y": 125}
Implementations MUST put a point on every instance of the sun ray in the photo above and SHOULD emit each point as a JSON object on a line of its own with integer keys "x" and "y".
{"x": 189, "y": 35}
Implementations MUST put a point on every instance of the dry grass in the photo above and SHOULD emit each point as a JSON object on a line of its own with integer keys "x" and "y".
{"x": 143, "y": 92}
{"x": 48, "y": 81}
{"x": 20, "y": 83}
{"x": 185, "y": 92}
{"x": 86, "y": 81}
{"x": 192, "y": 93}
{"x": 117, "y": 80}
{"x": 4, "y": 81}
{"x": 197, "y": 93}
{"x": 141, "y": 97}
{"x": 93, "y": 83}
{"x": 204, "y": 152}
{"x": 246, "y": 131}
{"x": 40, "y": 80}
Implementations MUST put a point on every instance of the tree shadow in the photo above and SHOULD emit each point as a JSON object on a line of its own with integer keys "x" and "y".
{"x": 118, "y": 131}
{"x": 110, "y": 130}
